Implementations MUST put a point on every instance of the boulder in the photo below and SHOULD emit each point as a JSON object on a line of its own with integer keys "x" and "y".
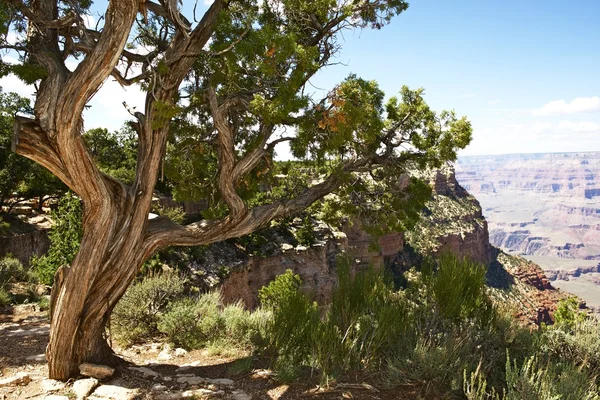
{"x": 96, "y": 371}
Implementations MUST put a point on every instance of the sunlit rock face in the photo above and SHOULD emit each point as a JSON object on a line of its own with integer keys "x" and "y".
{"x": 452, "y": 221}
{"x": 25, "y": 238}
{"x": 545, "y": 207}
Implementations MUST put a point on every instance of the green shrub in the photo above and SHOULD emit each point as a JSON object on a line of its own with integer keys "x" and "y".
{"x": 4, "y": 228}
{"x": 65, "y": 238}
{"x": 11, "y": 270}
{"x": 192, "y": 323}
{"x": 5, "y": 297}
{"x": 175, "y": 214}
{"x": 291, "y": 330}
{"x": 136, "y": 316}
{"x": 533, "y": 381}
{"x": 458, "y": 288}
{"x": 305, "y": 233}
{"x": 44, "y": 303}
{"x": 577, "y": 342}
{"x": 568, "y": 314}
{"x": 367, "y": 318}
{"x": 475, "y": 386}
{"x": 203, "y": 321}
{"x": 240, "y": 328}
{"x": 180, "y": 324}
{"x": 437, "y": 362}
{"x": 364, "y": 324}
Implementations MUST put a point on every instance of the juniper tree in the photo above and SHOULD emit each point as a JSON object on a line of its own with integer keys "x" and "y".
{"x": 221, "y": 95}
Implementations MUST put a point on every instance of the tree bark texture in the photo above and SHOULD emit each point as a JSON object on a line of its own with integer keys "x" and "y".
{"x": 117, "y": 235}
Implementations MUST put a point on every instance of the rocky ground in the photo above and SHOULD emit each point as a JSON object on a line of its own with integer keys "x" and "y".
{"x": 154, "y": 371}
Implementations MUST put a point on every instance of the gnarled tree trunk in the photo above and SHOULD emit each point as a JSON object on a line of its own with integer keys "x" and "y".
{"x": 85, "y": 294}
{"x": 117, "y": 235}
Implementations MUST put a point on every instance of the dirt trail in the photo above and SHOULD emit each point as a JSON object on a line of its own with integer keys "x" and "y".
{"x": 153, "y": 371}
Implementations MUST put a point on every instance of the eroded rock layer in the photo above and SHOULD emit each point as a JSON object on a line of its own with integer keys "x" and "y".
{"x": 545, "y": 207}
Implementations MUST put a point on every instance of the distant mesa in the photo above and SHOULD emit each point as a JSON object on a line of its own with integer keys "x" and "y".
{"x": 542, "y": 206}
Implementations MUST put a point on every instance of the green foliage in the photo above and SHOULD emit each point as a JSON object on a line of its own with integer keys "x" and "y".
{"x": 4, "y": 228}
{"x": 291, "y": 329}
{"x": 305, "y": 233}
{"x": 175, "y": 214}
{"x": 576, "y": 343}
{"x": 138, "y": 313}
{"x": 458, "y": 288}
{"x": 114, "y": 152}
{"x": 28, "y": 72}
{"x": 266, "y": 73}
{"x": 568, "y": 314}
{"x": 44, "y": 303}
{"x": 19, "y": 175}
{"x": 65, "y": 238}
{"x": 11, "y": 270}
{"x": 205, "y": 322}
{"x": 5, "y": 297}
{"x": 366, "y": 321}
{"x": 181, "y": 323}
{"x": 12, "y": 167}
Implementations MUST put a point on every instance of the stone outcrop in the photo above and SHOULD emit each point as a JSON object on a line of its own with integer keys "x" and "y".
{"x": 452, "y": 221}
{"x": 315, "y": 265}
{"x": 25, "y": 239}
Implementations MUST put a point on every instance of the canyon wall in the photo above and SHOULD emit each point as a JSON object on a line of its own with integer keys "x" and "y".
{"x": 25, "y": 238}
{"x": 545, "y": 207}
{"x": 451, "y": 221}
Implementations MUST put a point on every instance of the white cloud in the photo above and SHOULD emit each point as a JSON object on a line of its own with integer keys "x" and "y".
{"x": 494, "y": 102}
{"x": 541, "y": 127}
{"x": 89, "y": 21}
{"x": 576, "y": 106}
{"x": 107, "y": 110}
{"x": 578, "y": 127}
{"x": 11, "y": 83}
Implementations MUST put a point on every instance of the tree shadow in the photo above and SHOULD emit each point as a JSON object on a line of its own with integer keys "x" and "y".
{"x": 497, "y": 276}
{"x": 23, "y": 341}
{"x": 255, "y": 380}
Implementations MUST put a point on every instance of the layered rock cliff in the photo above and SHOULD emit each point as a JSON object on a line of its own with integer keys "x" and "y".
{"x": 25, "y": 238}
{"x": 452, "y": 221}
{"x": 545, "y": 208}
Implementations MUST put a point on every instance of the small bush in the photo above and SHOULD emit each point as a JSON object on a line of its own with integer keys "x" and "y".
{"x": 458, "y": 288}
{"x": 44, "y": 303}
{"x": 136, "y": 316}
{"x": 11, "y": 270}
{"x": 437, "y": 362}
{"x": 577, "y": 342}
{"x": 204, "y": 322}
{"x": 367, "y": 321}
{"x": 4, "y": 228}
{"x": 5, "y": 297}
{"x": 568, "y": 314}
{"x": 291, "y": 330}
{"x": 65, "y": 239}
{"x": 180, "y": 324}
{"x": 175, "y": 214}
{"x": 192, "y": 323}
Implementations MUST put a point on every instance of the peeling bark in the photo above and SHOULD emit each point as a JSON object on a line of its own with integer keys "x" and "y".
{"x": 117, "y": 236}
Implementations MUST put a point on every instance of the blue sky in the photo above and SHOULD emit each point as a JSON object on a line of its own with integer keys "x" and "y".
{"x": 497, "y": 62}
{"x": 526, "y": 73}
